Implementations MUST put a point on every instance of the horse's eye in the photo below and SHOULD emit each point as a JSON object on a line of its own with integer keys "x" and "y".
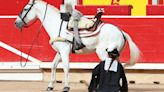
{"x": 25, "y": 9}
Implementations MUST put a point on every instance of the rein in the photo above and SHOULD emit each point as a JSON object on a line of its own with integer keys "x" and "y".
{"x": 61, "y": 23}
{"x": 38, "y": 32}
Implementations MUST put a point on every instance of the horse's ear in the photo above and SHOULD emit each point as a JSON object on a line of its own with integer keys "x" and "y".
{"x": 31, "y": 1}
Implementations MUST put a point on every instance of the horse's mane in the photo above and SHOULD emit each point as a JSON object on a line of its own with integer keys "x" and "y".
{"x": 52, "y": 6}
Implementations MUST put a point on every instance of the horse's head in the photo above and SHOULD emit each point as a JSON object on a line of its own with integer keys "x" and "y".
{"x": 27, "y": 15}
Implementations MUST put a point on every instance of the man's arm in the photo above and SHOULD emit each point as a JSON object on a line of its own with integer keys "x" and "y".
{"x": 95, "y": 79}
{"x": 124, "y": 87}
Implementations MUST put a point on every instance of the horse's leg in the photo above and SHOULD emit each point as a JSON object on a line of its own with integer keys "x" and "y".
{"x": 101, "y": 52}
{"x": 53, "y": 72}
{"x": 65, "y": 61}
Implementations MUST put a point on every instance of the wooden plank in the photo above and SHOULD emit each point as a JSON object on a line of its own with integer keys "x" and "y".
{"x": 138, "y": 76}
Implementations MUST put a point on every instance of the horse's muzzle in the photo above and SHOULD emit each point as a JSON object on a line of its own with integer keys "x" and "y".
{"x": 19, "y": 25}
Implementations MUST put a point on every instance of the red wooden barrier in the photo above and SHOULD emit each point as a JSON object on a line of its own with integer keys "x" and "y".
{"x": 155, "y": 10}
{"x": 147, "y": 33}
{"x": 13, "y": 7}
{"x": 108, "y": 10}
{"x": 160, "y": 2}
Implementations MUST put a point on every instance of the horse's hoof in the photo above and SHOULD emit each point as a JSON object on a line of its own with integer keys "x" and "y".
{"x": 66, "y": 89}
{"x": 50, "y": 88}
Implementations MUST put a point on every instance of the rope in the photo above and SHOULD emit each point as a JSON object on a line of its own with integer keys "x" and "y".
{"x": 61, "y": 23}
{"x": 32, "y": 44}
{"x": 21, "y": 59}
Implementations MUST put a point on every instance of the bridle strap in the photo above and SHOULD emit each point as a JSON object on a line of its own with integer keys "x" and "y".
{"x": 26, "y": 12}
{"x": 61, "y": 23}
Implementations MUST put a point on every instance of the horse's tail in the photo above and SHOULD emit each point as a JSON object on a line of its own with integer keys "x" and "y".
{"x": 134, "y": 51}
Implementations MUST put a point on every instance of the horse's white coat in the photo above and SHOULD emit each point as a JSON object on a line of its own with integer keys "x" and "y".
{"x": 109, "y": 36}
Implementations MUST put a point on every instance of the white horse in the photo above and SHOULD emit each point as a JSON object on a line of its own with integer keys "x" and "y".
{"x": 106, "y": 36}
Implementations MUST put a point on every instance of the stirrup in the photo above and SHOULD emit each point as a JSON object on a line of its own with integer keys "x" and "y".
{"x": 79, "y": 46}
{"x": 98, "y": 15}
{"x": 76, "y": 46}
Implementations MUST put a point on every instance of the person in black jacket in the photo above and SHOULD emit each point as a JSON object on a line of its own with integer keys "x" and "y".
{"x": 111, "y": 80}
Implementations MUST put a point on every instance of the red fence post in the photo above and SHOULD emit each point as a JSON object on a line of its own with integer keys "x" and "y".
{"x": 80, "y": 2}
{"x": 160, "y": 1}
{"x": 150, "y": 2}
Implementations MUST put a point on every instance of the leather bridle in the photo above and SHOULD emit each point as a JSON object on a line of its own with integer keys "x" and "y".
{"x": 27, "y": 11}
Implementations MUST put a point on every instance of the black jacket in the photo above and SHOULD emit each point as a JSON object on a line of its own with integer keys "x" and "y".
{"x": 108, "y": 81}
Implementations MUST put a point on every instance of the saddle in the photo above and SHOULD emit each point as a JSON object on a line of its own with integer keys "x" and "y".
{"x": 85, "y": 23}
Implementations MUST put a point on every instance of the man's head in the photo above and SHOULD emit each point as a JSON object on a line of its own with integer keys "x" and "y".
{"x": 69, "y": 8}
{"x": 113, "y": 53}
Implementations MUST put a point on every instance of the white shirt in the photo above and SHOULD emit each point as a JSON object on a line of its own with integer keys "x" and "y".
{"x": 113, "y": 66}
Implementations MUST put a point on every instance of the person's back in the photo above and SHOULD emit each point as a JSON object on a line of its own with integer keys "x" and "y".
{"x": 111, "y": 78}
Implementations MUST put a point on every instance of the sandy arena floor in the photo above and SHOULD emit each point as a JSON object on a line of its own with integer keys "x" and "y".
{"x": 12, "y": 86}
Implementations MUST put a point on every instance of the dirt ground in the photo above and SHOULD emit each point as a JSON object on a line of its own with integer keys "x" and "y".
{"x": 12, "y": 86}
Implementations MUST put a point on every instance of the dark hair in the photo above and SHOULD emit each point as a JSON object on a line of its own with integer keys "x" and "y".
{"x": 114, "y": 53}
